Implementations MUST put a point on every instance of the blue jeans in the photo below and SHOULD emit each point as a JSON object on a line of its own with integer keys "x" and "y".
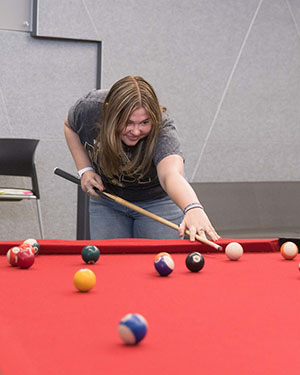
{"x": 109, "y": 219}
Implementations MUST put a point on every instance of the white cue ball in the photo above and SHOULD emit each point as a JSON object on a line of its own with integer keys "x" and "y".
{"x": 234, "y": 250}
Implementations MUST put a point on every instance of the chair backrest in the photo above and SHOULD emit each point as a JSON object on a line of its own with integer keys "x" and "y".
{"x": 17, "y": 159}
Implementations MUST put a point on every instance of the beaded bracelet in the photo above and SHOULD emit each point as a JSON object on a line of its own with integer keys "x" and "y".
{"x": 191, "y": 206}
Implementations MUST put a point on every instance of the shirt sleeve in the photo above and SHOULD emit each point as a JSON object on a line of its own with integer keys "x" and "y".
{"x": 85, "y": 114}
{"x": 168, "y": 140}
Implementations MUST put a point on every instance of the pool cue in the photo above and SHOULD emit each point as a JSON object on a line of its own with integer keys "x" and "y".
{"x": 136, "y": 208}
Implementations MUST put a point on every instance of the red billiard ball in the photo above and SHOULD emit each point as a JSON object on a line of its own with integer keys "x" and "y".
{"x": 25, "y": 258}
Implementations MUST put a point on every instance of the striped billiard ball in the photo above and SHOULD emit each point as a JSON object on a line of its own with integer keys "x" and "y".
{"x": 12, "y": 255}
{"x": 132, "y": 328}
{"x": 164, "y": 265}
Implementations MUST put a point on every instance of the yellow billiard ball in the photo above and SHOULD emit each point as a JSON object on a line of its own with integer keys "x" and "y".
{"x": 84, "y": 280}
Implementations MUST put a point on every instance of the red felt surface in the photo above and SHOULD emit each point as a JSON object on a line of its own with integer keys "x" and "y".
{"x": 135, "y": 245}
{"x": 231, "y": 318}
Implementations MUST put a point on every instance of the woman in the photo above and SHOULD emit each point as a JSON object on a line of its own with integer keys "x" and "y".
{"x": 123, "y": 141}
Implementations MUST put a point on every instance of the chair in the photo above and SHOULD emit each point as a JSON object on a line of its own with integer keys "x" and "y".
{"x": 17, "y": 159}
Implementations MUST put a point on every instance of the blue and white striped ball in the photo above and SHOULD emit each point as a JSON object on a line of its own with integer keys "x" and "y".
{"x": 164, "y": 265}
{"x": 132, "y": 328}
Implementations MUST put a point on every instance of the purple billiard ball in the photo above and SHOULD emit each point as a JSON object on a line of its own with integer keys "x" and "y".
{"x": 164, "y": 265}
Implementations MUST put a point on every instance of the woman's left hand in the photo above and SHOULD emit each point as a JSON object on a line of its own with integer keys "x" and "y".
{"x": 197, "y": 222}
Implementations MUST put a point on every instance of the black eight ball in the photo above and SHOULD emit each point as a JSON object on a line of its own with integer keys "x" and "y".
{"x": 195, "y": 261}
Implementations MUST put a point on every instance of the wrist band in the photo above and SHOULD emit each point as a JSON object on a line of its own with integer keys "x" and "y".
{"x": 83, "y": 170}
{"x": 191, "y": 206}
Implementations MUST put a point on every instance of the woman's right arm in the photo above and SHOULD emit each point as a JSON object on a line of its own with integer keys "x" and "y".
{"x": 89, "y": 179}
{"x": 78, "y": 152}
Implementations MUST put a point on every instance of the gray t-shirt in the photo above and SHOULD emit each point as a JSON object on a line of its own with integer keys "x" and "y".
{"x": 84, "y": 117}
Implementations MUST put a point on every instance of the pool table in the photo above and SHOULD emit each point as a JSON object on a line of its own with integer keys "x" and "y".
{"x": 233, "y": 317}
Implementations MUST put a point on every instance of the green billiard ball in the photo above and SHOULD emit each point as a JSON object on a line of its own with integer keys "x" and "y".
{"x": 90, "y": 254}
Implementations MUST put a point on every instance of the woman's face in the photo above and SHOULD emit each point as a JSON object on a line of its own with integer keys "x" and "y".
{"x": 137, "y": 128}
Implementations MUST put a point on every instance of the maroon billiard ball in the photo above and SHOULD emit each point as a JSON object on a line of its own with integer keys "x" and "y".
{"x": 25, "y": 258}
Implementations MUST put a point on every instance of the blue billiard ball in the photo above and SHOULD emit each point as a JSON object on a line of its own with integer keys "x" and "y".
{"x": 132, "y": 328}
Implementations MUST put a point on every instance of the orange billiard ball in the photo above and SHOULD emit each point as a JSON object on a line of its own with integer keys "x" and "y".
{"x": 33, "y": 242}
{"x": 289, "y": 250}
{"x": 162, "y": 254}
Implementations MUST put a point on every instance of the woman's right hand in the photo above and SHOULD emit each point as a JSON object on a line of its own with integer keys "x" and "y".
{"x": 89, "y": 181}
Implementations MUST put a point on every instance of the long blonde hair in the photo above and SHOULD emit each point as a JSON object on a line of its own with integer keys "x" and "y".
{"x": 127, "y": 95}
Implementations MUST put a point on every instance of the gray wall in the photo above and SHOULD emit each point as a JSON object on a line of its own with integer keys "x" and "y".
{"x": 228, "y": 71}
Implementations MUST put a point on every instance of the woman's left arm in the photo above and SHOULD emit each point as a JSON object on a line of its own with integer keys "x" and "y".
{"x": 170, "y": 172}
